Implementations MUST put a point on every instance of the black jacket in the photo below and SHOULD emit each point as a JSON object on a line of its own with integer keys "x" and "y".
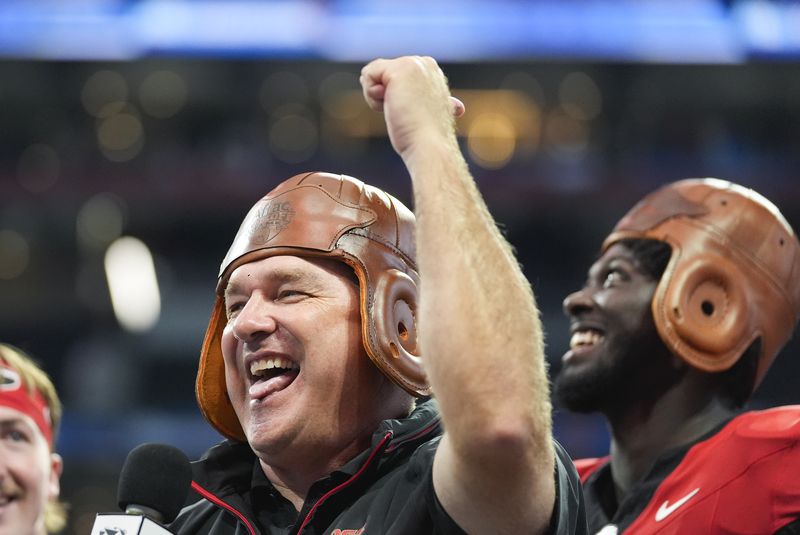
{"x": 385, "y": 490}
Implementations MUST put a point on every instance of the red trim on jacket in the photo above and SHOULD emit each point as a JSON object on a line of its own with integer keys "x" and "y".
{"x": 433, "y": 425}
{"x": 347, "y": 483}
{"x": 217, "y": 501}
{"x": 384, "y": 446}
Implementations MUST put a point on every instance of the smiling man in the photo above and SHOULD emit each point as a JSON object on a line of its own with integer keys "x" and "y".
{"x": 335, "y": 310}
{"x": 30, "y": 412}
{"x": 695, "y": 292}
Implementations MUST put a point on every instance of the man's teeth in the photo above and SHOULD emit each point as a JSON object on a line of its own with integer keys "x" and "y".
{"x": 258, "y": 367}
{"x": 584, "y": 338}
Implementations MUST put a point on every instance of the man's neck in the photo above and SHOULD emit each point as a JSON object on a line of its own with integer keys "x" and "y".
{"x": 294, "y": 479}
{"x": 295, "y": 468}
{"x": 642, "y": 433}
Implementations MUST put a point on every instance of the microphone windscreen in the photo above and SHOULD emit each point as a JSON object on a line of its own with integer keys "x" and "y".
{"x": 157, "y": 476}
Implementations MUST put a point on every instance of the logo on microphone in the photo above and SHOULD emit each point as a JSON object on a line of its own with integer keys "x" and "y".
{"x": 113, "y": 531}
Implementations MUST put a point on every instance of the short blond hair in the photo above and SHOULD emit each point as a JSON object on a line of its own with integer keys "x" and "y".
{"x": 36, "y": 379}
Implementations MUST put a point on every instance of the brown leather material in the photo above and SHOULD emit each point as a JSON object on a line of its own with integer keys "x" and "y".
{"x": 339, "y": 217}
{"x": 734, "y": 273}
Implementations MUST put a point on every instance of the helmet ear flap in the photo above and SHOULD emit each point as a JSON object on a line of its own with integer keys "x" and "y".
{"x": 701, "y": 311}
{"x": 395, "y": 331}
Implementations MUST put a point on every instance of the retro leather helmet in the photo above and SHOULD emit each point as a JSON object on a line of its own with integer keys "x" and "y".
{"x": 733, "y": 276}
{"x": 338, "y": 217}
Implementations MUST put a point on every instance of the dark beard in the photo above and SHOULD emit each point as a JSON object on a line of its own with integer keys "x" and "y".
{"x": 595, "y": 390}
{"x": 633, "y": 378}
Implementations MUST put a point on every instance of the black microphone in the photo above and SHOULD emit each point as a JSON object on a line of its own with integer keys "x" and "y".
{"x": 152, "y": 489}
{"x": 154, "y": 481}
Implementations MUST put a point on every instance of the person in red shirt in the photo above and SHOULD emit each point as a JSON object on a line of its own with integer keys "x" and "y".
{"x": 695, "y": 292}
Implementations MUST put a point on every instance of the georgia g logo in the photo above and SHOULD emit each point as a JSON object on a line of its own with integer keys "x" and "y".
{"x": 9, "y": 380}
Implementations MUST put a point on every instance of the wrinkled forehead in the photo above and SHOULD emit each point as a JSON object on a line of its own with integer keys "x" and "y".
{"x": 288, "y": 268}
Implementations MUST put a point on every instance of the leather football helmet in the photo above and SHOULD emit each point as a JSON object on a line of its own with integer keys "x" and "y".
{"x": 338, "y": 217}
{"x": 733, "y": 275}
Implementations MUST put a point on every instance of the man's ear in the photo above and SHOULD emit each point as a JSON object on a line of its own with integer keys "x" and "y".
{"x": 54, "y": 484}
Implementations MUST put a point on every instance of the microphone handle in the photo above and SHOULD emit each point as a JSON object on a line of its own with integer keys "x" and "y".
{"x": 136, "y": 509}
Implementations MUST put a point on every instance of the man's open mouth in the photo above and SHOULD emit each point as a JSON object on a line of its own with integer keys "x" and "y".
{"x": 585, "y": 338}
{"x": 265, "y": 369}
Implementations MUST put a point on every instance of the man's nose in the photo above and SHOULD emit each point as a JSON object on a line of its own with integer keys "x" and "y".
{"x": 577, "y": 302}
{"x": 256, "y": 318}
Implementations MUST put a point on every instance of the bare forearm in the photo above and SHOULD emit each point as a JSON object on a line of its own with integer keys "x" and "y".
{"x": 478, "y": 325}
{"x": 482, "y": 343}
{"x": 472, "y": 285}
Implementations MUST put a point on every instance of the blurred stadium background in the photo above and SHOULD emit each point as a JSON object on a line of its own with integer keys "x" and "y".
{"x": 134, "y": 136}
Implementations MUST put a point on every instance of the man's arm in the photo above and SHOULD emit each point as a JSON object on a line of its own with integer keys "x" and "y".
{"x": 479, "y": 327}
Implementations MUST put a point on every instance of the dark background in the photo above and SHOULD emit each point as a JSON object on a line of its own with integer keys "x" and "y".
{"x": 172, "y": 146}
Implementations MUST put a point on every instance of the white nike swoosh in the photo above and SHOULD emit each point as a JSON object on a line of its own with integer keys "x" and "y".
{"x": 666, "y": 509}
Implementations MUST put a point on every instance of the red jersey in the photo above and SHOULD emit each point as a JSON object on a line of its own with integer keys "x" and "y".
{"x": 744, "y": 479}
